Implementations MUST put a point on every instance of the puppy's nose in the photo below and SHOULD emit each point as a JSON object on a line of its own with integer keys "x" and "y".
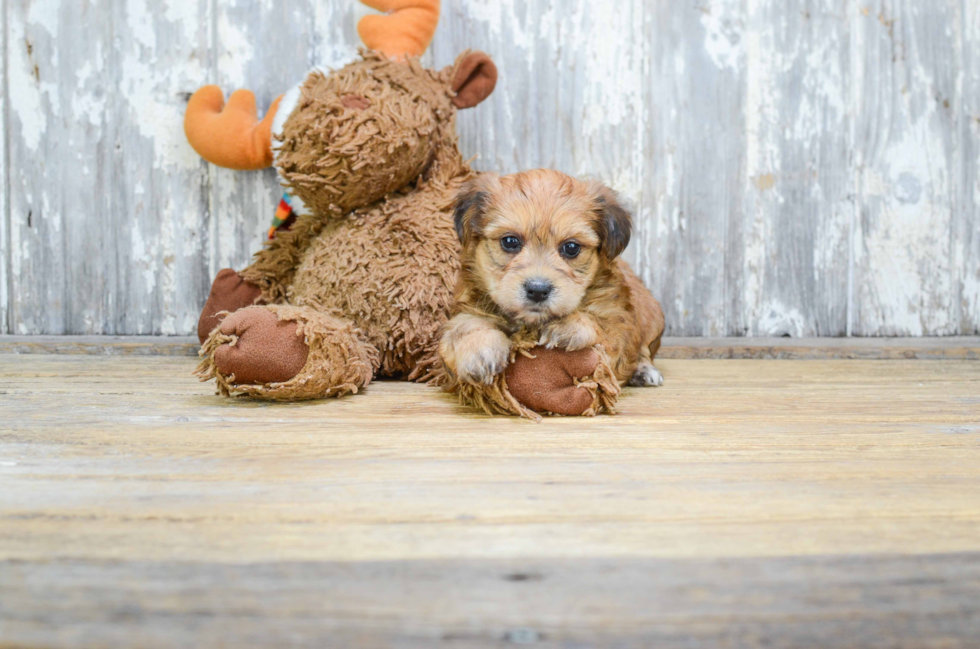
{"x": 537, "y": 290}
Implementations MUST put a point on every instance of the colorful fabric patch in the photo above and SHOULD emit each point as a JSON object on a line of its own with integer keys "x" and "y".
{"x": 284, "y": 217}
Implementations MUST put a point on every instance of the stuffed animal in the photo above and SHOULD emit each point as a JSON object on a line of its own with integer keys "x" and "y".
{"x": 358, "y": 275}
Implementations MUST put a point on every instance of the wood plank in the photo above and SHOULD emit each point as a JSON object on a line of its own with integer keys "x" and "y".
{"x": 907, "y": 148}
{"x": 966, "y": 233}
{"x": 711, "y": 118}
{"x": 854, "y": 601}
{"x": 733, "y": 458}
{"x": 58, "y": 152}
{"x": 4, "y": 178}
{"x": 951, "y": 348}
{"x": 693, "y": 183}
{"x": 962, "y": 348}
{"x": 788, "y": 270}
{"x": 751, "y": 503}
{"x": 157, "y": 183}
{"x": 106, "y": 195}
{"x": 101, "y": 345}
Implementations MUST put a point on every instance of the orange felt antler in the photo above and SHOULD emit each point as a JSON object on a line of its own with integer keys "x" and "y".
{"x": 229, "y": 136}
{"x": 407, "y": 30}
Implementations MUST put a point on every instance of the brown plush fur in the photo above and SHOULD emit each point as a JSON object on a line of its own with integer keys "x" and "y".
{"x": 372, "y": 150}
{"x": 542, "y": 230}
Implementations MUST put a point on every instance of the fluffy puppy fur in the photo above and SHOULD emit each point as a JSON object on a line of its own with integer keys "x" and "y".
{"x": 540, "y": 254}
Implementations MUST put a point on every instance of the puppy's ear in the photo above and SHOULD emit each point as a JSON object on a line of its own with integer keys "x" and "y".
{"x": 614, "y": 223}
{"x": 471, "y": 207}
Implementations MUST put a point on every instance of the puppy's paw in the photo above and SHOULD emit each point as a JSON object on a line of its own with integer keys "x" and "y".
{"x": 646, "y": 375}
{"x": 571, "y": 334}
{"x": 481, "y": 356}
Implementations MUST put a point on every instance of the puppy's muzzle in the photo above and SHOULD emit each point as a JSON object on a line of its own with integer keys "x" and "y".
{"x": 538, "y": 290}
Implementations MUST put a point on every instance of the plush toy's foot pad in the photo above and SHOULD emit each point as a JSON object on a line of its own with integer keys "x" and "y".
{"x": 646, "y": 375}
{"x": 265, "y": 350}
{"x": 229, "y": 292}
{"x": 547, "y": 382}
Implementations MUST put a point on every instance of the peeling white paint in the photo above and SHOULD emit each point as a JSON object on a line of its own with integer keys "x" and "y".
{"x": 906, "y": 250}
{"x": 140, "y": 24}
{"x": 30, "y": 100}
{"x": 763, "y": 65}
{"x": 182, "y": 11}
{"x": 4, "y": 243}
{"x": 722, "y": 114}
{"x": 236, "y": 51}
{"x": 723, "y": 32}
{"x": 167, "y": 271}
{"x": 153, "y": 97}
{"x": 778, "y": 320}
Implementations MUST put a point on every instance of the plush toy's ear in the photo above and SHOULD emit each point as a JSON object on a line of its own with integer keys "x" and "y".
{"x": 474, "y": 79}
{"x": 614, "y": 223}
{"x": 471, "y": 207}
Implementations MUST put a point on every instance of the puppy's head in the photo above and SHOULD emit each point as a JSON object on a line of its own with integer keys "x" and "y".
{"x": 534, "y": 242}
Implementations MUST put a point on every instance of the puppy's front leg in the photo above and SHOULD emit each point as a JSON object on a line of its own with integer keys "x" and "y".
{"x": 571, "y": 333}
{"x": 473, "y": 349}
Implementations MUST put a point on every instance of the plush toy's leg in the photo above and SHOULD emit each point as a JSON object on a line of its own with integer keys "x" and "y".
{"x": 552, "y": 381}
{"x": 229, "y": 292}
{"x": 546, "y": 382}
{"x": 286, "y": 353}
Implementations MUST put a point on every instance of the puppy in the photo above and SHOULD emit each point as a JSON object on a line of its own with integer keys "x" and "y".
{"x": 540, "y": 253}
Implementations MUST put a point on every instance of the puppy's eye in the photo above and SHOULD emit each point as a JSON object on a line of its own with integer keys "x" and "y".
{"x": 510, "y": 243}
{"x": 570, "y": 249}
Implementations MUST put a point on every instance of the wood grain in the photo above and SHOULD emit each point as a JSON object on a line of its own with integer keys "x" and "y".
{"x": 783, "y": 503}
{"x": 806, "y": 168}
{"x": 159, "y": 197}
{"x": 966, "y": 235}
{"x": 947, "y": 348}
{"x": 798, "y": 177}
{"x": 58, "y": 151}
{"x": 847, "y": 601}
{"x": 909, "y": 155}
{"x": 693, "y": 185}
{"x": 4, "y": 180}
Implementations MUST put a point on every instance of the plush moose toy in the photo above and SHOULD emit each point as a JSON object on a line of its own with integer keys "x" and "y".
{"x": 358, "y": 276}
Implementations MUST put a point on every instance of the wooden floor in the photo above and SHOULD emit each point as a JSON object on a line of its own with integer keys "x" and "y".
{"x": 746, "y": 503}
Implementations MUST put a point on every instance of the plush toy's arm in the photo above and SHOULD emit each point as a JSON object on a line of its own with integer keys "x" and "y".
{"x": 538, "y": 380}
{"x": 272, "y": 268}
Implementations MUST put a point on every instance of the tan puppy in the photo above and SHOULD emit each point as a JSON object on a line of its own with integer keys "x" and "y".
{"x": 540, "y": 253}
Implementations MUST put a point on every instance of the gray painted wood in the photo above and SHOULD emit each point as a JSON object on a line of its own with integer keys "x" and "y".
{"x": 57, "y": 73}
{"x": 796, "y": 601}
{"x": 4, "y": 208}
{"x": 701, "y": 347}
{"x": 908, "y": 157}
{"x": 694, "y": 188}
{"x": 804, "y": 168}
{"x": 792, "y": 242}
{"x": 966, "y": 233}
{"x": 106, "y": 198}
{"x": 159, "y": 197}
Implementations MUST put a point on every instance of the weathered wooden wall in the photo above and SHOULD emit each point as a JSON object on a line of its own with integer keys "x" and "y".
{"x": 801, "y": 167}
